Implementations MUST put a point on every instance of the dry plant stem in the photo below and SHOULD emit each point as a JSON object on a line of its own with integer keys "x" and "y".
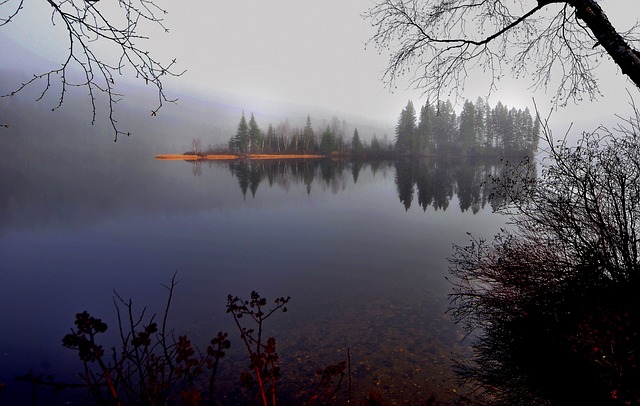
{"x": 106, "y": 373}
{"x": 212, "y": 378}
{"x": 107, "y": 376}
{"x": 126, "y": 339}
{"x": 163, "y": 334}
{"x": 261, "y": 385}
{"x": 94, "y": 382}
{"x": 247, "y": 342}
{"x": 148, "y": 367}
{"x": 349, "y": 364}
{"x": 263, "y": 357}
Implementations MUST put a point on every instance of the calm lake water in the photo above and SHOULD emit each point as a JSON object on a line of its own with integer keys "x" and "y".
{"x": 360, "y": 248}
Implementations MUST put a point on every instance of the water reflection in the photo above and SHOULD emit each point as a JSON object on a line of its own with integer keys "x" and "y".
{"x": 364, "y": 274}
{"x": 432, "y": 182}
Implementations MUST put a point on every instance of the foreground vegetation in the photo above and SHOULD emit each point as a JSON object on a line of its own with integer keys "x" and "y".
{"x": 150, "y": 363}
{"x": 554, "y": 301}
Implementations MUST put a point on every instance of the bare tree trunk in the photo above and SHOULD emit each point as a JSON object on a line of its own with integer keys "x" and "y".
{"x": 626, "y": 57}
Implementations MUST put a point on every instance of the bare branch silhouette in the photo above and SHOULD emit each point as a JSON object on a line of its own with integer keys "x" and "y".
{"x": 556, "y": 43}
{"x": 89, "y": 26}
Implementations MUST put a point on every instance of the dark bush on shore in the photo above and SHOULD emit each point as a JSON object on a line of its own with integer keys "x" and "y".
{"x": 554, "y": 300}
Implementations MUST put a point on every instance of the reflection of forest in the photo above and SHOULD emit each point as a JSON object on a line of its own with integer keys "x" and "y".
{"x": 435, "y": 182}
{"x": 325, "y": 173}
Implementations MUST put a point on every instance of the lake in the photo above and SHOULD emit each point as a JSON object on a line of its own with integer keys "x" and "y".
{"x": 361, "y": 248}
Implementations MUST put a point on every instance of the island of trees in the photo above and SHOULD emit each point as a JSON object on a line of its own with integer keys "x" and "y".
{"x": 478, "y": 130}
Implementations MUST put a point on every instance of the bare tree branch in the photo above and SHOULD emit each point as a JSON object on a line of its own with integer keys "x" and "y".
{"x": 12, "y": 14}
{"x": 90, "y": 25}
{"x": 556, "y": 43}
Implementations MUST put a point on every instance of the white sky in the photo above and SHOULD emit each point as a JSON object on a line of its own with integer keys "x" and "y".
{"x": 304, "y": 51}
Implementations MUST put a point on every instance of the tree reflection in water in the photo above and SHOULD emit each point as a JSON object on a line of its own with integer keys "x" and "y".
{"x": 434, "y": 182}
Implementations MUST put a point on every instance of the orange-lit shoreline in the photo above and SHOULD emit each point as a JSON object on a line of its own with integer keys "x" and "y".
{"x": 217, "y": 157}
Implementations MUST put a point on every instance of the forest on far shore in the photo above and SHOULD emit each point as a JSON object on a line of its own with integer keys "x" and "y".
{"x": 478, "y": 130}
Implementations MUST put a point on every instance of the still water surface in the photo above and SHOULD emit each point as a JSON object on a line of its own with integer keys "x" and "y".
{"x": 360, "y": 248}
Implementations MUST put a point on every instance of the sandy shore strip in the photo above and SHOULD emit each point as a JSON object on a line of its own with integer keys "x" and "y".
{"x": 213, "y": 157}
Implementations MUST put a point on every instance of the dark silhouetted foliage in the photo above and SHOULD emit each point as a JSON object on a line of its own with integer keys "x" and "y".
{"x": 554, "y": 299}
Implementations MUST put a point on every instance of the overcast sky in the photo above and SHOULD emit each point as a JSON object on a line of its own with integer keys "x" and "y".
{"x": 303, "y": 51}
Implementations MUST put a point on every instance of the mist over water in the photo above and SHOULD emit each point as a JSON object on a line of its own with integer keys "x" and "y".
{"x": 360, "y": 247}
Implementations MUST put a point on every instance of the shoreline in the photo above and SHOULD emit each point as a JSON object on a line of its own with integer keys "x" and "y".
{"x": 230, "y": 157}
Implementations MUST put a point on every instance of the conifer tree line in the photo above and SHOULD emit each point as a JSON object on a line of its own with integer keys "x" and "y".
{"x": 478, "y": 130}
{"x": 282, "y": 138}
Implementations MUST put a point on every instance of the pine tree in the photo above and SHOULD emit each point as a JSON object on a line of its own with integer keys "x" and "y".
{"x": 425, "y": 129}
{"x": 328, "y": 141}
{"x": 499, "y": 126}
{"x": 241, "y": 139}
{"x": 308, "y": 136}
{"x": 406, "y": 128}
{"x": 480, "y": 124}
{"x": 535, "y": 133}
{"x": 479, "y": 129}
{"x": 357, "y": 149}
{"x": 255, "y": 135}
{"x": 467, "y": 130}
{"x": 376, "y": 146}
{"x": 444, "y": 127}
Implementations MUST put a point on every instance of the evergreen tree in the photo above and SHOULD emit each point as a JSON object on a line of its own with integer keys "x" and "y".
{"x": 535, "y": 134}
{"x": 241, "y": 139}
{"x": 522, "y": 126}
{"x": 425, "y": 129}
{"x": 479, "y": 129}
{"x": 530, "y": 132}
{"x": 308, "y": 136}
{"x": 255, "y": 135}
{"x": 406, "y": 128}
{"x": 509, "y": 133}
{"x": 467, "y": 130}
{"x": 357, "y": 149}
{"x": 376, "y": 145}
{"x": 444, "y": 127}
{"x": 499, "y": 126}
{"x": 490, "y": 139}
{"x": 328, "y": 141}
{"x": 339, "y": 129}
{"x": 480, "y": 123}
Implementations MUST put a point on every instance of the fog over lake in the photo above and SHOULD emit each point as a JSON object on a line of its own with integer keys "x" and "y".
{"x": 407, "y": 112}
{"x": 360, "y": 248}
